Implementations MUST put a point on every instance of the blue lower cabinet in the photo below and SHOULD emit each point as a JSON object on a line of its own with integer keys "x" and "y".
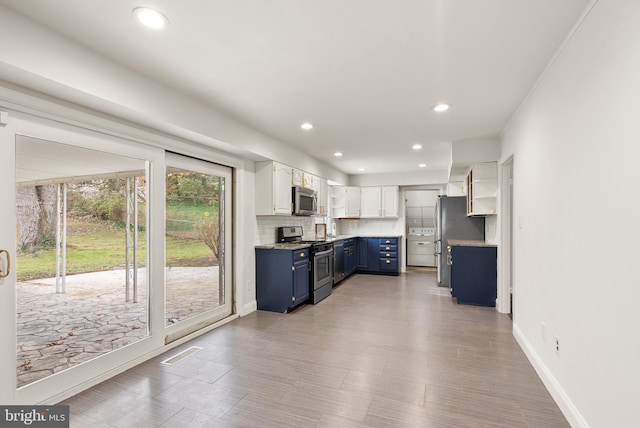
{"x": 382, "y": 256}
{"x": 389, "y": 265}
{"x": 474, "y": 275}
{"x": 363, "y": 254}
{"x": 282, "y": 278}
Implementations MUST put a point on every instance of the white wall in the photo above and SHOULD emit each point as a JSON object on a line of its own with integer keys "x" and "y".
{"x": 438, "y": 177}
{"x": 576, "y": 146}
{"x": 46, "y": 61}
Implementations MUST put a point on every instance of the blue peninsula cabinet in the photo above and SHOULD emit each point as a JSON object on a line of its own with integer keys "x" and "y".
{"x": 473, "y": 267}
{"x": 282, "y": 278}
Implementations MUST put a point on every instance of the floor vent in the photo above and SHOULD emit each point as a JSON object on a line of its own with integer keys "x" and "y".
{"x": 181, "y": 356}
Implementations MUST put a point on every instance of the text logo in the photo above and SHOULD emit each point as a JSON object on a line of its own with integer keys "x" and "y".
{"x": 34, "y": 416}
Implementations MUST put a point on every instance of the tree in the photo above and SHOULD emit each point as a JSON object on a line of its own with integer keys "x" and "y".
{"x": 208, "y": 229}
{"x": 35, "y": 212}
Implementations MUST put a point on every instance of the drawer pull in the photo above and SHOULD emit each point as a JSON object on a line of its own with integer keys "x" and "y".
{"x": 388, "y": 255}
{"x": 388, "y": 262}
{"x": 301, "y": 254}
{"x": 388, "y": 248}
{"x": 388, "y": 242}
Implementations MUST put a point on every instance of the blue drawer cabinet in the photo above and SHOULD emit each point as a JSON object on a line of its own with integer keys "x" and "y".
{"x": 282, "y": 278}
{"x": 388, "y": 255}
{"x": 382, "y": 256}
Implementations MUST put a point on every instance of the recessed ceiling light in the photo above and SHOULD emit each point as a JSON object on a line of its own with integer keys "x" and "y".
{"x": 422, "y": 165}
{"x": 150, "y": 18}
{"x": 337, "y": 154}
{"x": 360, "y": 169}
{"x": 441, "y": 107}
{"x": 416, "y": 146}
{"x": 306, "y": 126}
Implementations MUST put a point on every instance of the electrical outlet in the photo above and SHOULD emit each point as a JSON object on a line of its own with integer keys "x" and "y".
{"x": 557, "y": 345}
{"x": 543, "y": 332}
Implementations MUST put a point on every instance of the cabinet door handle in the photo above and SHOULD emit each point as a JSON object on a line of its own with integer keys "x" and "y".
{"x": 449, "y": 260}
{"x": 5, "y": 274}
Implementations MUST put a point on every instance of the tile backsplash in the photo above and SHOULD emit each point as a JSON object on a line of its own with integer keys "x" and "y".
{"x": 266, "y": 227}
{"x": 376, "y": 227}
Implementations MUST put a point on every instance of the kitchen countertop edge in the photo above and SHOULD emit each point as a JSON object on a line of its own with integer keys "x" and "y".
{"x": 469, "y": 243}
{"x": 279, "y": 246}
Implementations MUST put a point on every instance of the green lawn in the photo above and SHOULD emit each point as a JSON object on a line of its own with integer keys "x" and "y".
{"x": 94, "y": 245}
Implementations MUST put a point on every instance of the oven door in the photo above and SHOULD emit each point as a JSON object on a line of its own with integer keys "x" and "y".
{"x": 322, "y": 269}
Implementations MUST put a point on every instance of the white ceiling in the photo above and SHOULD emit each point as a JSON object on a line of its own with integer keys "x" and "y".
{"x": 365, "y": 72}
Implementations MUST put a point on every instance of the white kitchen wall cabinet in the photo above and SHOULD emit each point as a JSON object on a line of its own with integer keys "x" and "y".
{"x": 389, "y": 201}
{"x": 379, "y": 202}
{"x": 338, "y": 201}
{"x": 370, "y": 202}
{"x": 345, "y": 202}
{"x": 273, "y": 188}
{"x": 353, "y": 202}
{"x": 482, "y": 185}
{"x": 321, "y": 187}
{"x": 304, "y": 179}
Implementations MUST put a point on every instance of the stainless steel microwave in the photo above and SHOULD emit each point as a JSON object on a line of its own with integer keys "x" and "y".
{"x": 305, "y": 201}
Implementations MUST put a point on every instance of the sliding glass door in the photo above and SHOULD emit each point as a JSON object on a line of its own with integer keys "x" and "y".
{"x": 197, "y": 244}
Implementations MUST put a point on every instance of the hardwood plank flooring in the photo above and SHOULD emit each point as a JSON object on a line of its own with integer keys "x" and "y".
{"x": 379, "y": 352}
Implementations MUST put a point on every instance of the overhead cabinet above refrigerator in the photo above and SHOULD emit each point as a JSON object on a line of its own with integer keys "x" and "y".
{"x": 482, "y": 185}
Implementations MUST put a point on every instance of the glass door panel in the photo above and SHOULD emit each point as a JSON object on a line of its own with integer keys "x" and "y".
{"x": 198, "y": 233}
{"x": 81, "y": 255}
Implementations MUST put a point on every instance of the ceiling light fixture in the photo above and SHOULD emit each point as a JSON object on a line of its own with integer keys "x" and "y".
{"x": 150, "y": 18}
{"x": 337, "y": 154}
{"x": 440, "y": 108}
{"x": 422, "y": 165}
{"x": 306, "y": 126}
{"x": 360, "y": 169}
{"x": 416, "y": 146}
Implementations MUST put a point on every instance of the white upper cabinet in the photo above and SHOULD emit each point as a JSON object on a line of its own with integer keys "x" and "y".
{"x": 338, "y": 195}
{"x": 353, "y": 202}
{"x": 304, "y": 179}
{"x": 321, "y": 187}
{"x": 379, "y": 202}
{"x": 390, "y": 201}
{"x": 273, "y": 188}
{"x": 297, "y": 177}
{"x": 370, "y": 202}
{"x": 482, "y": 185}
{"x": 345, "y": 202}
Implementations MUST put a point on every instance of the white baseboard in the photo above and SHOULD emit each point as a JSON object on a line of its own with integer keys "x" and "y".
{"x": 561, "y": 398}
{"x": 248, "y": 308}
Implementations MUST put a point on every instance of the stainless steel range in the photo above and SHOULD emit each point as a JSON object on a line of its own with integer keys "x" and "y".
{"x": 321, "y": 274}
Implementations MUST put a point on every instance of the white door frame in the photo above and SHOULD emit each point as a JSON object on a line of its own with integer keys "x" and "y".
{"x": 505, "y": 276}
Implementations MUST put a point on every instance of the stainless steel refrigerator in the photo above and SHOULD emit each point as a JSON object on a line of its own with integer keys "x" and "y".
{"x": 452, "y": 223}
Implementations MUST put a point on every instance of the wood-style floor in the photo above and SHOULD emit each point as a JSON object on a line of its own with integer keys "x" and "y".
{"x": 379, "y": 352}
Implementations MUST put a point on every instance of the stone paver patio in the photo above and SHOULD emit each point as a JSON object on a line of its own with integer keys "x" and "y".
{"x": 57, "y": 331}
